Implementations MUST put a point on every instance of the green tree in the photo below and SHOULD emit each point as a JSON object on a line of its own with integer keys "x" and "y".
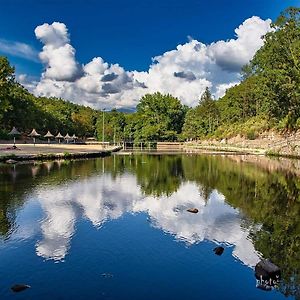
{"x": 114, "y": 123}
{"x": 278, "y": 62}
{"x": 160, "y": 118}
{"x": 6, "y": 82}
{"x": 203, "y": 119}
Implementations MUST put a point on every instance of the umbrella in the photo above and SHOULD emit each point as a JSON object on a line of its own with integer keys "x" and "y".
{"x": 59, "y": 137}
{"x": 49, "y": 135}
{"x": 34, "y": 134}
{"x": 67, "y": 137}
{"x": 14, "y": 132}
{"x": 74, "y": 137}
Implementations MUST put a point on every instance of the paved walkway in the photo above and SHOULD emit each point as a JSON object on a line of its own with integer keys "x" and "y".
{"x": 29, "y": 150}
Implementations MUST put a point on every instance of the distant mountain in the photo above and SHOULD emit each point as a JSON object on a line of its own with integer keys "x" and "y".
{"x": 127, "y": 110}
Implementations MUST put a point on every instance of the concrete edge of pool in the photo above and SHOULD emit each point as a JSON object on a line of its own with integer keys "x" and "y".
{"x": 26, "y": 152}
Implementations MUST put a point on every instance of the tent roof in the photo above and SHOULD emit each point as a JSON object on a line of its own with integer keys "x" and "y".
{"x": 14, "y": 131}
{"x": 74, "y": 136}
{"x": 67, "y": 136}
{"x": 34, "y": 133}
{"x": 48, "y": 135}
{"x": 59, "y": 136}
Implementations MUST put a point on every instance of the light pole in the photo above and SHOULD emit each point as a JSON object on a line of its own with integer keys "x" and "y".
{"x": 114, "y": 136}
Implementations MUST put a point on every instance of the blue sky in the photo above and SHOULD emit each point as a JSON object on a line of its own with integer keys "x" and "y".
{"x": 129, "y": 32}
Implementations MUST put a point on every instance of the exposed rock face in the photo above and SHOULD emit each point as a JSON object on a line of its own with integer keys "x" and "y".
{"x": 270, "y": 142}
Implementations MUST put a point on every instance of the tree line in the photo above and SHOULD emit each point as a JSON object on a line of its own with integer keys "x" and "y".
{"x": 267, "y": 97}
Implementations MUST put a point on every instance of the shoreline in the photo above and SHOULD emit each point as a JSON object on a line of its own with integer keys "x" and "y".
{"x": 215, "y": 149}
{"x": 268, "y": 143}
{"x": 26, "y": 152}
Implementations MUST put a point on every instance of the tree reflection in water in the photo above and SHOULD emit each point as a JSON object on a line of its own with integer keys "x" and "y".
{"x": 241, "y": 204}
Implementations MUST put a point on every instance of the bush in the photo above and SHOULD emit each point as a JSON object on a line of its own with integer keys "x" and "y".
{"x": 251, "y": 135}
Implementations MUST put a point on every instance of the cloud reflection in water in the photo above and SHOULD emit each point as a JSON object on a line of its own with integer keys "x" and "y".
{"x": 102, "y": 198}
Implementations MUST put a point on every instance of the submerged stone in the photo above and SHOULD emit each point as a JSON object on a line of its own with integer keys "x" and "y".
{"x": 107, "y": 275}
{"x": 266, "y": 270}
{"x": 192, "y": 210}
{"x": 219, "y": 250}
{"x": 19, "y": 287}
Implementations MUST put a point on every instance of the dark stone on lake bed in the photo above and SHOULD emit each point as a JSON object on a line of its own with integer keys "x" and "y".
{"x": 107, "y": 275}
{"x": 192, "y": 210}
{"x": 219, "y": 250}
{"x": 19, "y": 287}
{"x": 266, "y": 270}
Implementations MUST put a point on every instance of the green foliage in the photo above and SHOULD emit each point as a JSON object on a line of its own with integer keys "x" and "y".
{"x": 23, "y": 110}
{"x": 6, "y": 81}
{"x": 64, "y": 116}
{"x": 203, "y": 119}
{"x": 114, "y": 124}
{"x": 251, "y": 135}
{"x": 278, "y": 62}
{"x": 243, "y": 101}
{"x": 67, "y": 154}
{"x": 249, "y": 129}
{"x": 269, "y": 94}
{"x": 159, "y": 118}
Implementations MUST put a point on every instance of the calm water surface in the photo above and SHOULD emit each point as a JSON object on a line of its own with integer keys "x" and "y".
{"x": 117, "y": 228}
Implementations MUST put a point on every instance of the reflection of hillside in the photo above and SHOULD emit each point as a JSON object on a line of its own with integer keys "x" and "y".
{"x": 163, "y": 187}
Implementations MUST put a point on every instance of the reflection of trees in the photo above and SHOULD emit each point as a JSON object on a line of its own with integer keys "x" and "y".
{"x": 158, "y": 175}
{"x": 270, "y": 199}
{"x": 11, "y": 199}
{"x": 16, "y": 181}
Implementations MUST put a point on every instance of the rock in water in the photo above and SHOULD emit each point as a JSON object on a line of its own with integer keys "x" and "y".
{"x": 219, "y": 250}
{"x": 266, "y": 270}
{"x": 107, "y": 275}
{"x": 192, "y": 210}
{"x": 19, "y": 287}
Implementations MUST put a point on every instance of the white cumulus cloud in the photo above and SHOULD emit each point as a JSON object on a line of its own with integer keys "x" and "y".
{"x": 57, "y": 54}
{"x": 184, "y": 72}
{"x": 231, "y": 55}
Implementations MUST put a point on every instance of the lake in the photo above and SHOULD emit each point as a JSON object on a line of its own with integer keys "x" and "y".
{"x": 118, "y": 228}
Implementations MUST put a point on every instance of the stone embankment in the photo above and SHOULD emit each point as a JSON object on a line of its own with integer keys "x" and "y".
{"x": 267, "y": 143}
